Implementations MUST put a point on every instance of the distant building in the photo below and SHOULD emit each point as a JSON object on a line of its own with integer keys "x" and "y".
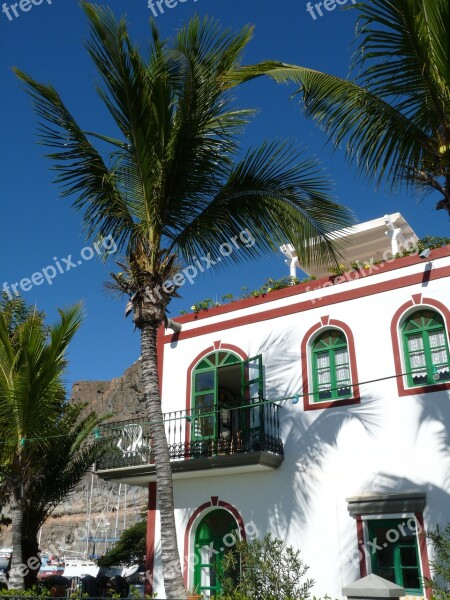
{"x": 319, "y": 412}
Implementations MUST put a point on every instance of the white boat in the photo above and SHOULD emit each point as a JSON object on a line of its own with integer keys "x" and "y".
{"x": 78, "y": 567}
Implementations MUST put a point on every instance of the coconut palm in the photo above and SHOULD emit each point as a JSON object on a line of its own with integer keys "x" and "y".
{"x": 31, "y": 395}
{"x": 173, "y": 188}
{"x": 394, "y": 117}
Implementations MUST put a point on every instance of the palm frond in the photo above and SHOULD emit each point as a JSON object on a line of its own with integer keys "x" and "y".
{"x": 80, "y": 169}
{"x": 278, "y": 197}
{"x": 379, "y": 138}
{"x": 396, "y": 59}
{"x": 31, "y": 390}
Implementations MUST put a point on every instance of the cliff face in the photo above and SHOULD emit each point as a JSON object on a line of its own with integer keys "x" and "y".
{"x": 123, "y": 396}
{"x": 95, "y": 505}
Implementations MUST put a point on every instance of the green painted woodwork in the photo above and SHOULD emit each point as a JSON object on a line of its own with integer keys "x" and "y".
{"x": 252, "y": 392}
{"x": 221, "y": 383}
{"x": 205, "y": 394}
{"x": 331, "y": 368}
{"x": 394, "y": 553}
{"x": 425, "y": 348}
{"x": 216, "y": 534}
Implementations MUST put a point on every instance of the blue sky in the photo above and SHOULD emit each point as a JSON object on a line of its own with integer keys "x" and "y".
{"x": 37, "y": 226}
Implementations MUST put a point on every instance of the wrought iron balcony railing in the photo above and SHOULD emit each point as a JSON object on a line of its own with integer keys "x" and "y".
{"x": 197, "y": 433}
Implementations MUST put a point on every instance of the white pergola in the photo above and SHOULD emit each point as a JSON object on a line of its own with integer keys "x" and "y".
{"x": 372, "y": 240}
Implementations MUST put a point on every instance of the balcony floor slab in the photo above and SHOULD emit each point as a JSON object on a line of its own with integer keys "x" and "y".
{"x": 210, "y": 466}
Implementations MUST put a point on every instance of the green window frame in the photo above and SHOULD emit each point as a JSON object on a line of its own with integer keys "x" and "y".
{"x": 425, "y": 349}
{"x": 208, "y": 421}
{"x": 394, "y": 553}
{"x": 205, "y": 393}
{"x": 331, "y": 367}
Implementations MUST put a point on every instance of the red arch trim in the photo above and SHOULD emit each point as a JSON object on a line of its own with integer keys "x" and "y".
{"x": 396, "y": 346}
{"x": 214, "y": 502}
{"x": 308, "y": 403}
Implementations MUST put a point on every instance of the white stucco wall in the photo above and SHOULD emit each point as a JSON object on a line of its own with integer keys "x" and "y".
{"x": 386, "y": 443}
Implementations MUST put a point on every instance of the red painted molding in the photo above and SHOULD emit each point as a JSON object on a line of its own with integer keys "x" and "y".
{"x": 398, "y": 263}
{"x": 362, "y": 292}
{"x": 422, "y": 540}
{"x": 308, "y": 402}
{"x": 230, "y": 347}
{"x": 360, "y": 538}
{"x": 150, "y": 538}
{"x": 403, "y": 390}
{"x": 214, "y": 502}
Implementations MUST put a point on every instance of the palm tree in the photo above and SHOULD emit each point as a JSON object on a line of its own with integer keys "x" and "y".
{"x": 172, "y": 187}
{"x": 395, "y": 115}
{"x": 31, "y": 395}
{"x": 73, "y": 452}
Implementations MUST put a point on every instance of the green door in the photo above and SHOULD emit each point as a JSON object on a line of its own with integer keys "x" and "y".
{"x": 252, "y": 393}
{"x": 208, "y": 420}
{"x": 214, "y": 537}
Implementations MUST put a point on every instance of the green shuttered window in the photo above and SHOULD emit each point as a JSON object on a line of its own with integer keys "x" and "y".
{"x": 425, "y": 347}
{"x": 331, "y": 367}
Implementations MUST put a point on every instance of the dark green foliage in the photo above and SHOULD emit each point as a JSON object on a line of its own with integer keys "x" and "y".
{"x": 44, "y": 441}
{"x": 129, "y": 549}
{"x": 16, "y": 311}
{"x": 270, "y": 571}
{"x": 440, "y": 583}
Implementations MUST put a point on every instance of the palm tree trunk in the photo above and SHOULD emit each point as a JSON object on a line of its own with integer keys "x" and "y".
{"x": 16, "y": 576}
{"x": 173, "y": 581}
{"x": 30, "y": 550}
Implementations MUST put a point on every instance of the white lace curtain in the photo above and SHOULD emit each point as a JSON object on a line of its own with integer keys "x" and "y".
{"x": 438, "y": 353}
{"x": 324, "y": 368}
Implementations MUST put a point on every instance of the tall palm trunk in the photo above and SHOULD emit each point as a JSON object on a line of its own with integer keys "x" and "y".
{"x": 173, "y": 581}
{"x": 16, "y": 578}
{"x": 30, "y": 550}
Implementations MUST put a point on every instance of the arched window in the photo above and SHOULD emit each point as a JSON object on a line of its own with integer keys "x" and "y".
{"x": 223, "y": 388}
{"x": 331, "y": 366}
{"x": 425, "y": 348}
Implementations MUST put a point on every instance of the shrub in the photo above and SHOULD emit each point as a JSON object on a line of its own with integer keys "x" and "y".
{"x": 440, "y": 584}
{"x": 270, "y": 571}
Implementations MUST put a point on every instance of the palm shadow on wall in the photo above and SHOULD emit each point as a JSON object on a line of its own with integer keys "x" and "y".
{"x": 307, "y": 435}
{"x": 435, "y": 408}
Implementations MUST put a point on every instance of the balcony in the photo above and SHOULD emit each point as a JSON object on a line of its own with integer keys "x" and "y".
{"x": 203, "y": 441}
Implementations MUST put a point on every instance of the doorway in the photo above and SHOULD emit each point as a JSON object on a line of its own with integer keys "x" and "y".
{"x": 213, "y": 539}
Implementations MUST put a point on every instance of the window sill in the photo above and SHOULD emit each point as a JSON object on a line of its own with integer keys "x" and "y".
{"x": 332, "y": 403}
{"x": 422, "y": 389}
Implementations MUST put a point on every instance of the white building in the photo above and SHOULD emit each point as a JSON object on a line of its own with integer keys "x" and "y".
{"x": 319, "y": 412}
